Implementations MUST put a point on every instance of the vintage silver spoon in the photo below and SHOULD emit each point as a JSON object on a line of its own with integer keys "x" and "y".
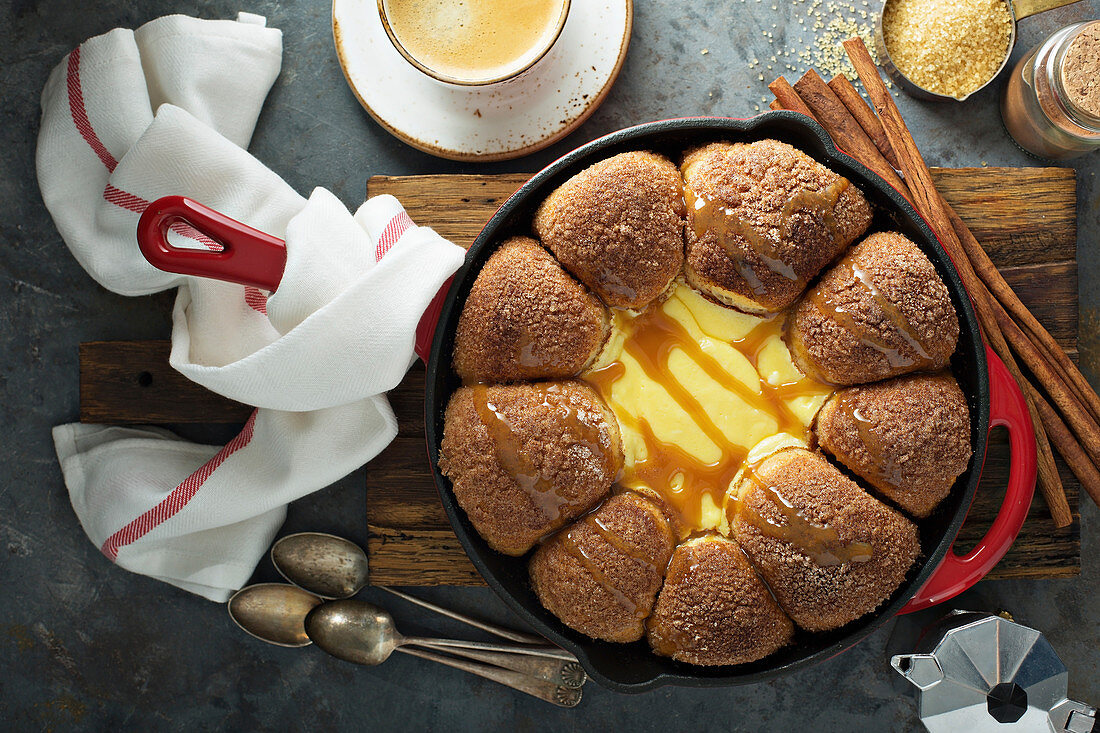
{"x": 333, "y": 567}
{"x": 273, "y": 612}
{"x": 324, "y": 564}
{"x": 276, "y": 613}
{"x": 363, "y": 633}
{"x": 517, "y": 636}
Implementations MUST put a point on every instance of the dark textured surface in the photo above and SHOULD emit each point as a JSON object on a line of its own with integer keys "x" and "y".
{"x": 86, "y": 645}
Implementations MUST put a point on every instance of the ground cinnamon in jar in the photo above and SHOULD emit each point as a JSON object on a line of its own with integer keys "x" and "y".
{"x": 1081, "y": 70}
{"x": 1051, "y": 105}
{"x": 946, "y": 46}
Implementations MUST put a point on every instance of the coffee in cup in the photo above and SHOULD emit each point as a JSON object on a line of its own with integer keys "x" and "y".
{"x": 473, "y": 42}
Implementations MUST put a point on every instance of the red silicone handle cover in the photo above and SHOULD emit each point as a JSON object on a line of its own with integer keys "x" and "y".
{"x": 957, "y": 573}
{"x": 247, "y": 256}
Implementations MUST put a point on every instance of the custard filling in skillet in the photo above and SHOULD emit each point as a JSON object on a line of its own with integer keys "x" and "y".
{"x": 696, "y": 387}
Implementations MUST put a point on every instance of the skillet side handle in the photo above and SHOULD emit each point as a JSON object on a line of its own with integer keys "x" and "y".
{"x": 425, "y": 330}
{"x": 957, "y": 573}
{"x": 246, "y": 256}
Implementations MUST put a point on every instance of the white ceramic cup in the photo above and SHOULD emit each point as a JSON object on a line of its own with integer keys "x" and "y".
{"x": 465, "y": 10}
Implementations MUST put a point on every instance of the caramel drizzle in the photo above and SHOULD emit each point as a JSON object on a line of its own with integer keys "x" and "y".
{"x": 820, "y": 542}
{"x": 569, "y": 542}
{"x": 525, "y": 353}
{"x": 730, "y": 229}
{"x": 881, "y": 463}
{"x": 519, "y": 465}
{"x": 627, "y": 549}
{"x": 818, "y": 203}
{"x": 894, "y": 356}
{"x": 655, "y": 337}
{"x": 615, "y": 285}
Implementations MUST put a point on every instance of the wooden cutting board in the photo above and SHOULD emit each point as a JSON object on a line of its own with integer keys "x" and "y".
{"x": 1025, "y": 217}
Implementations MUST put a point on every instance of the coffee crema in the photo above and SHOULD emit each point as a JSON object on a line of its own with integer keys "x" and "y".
{"x": 474, "y": 41}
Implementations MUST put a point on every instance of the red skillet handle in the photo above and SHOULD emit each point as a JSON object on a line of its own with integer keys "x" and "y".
{"x": 957, "y": 573}
{"x": 247, "y": 256}
{"x": 425, "y": 330}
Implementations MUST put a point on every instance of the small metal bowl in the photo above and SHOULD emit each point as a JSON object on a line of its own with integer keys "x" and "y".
{"x": 1018, "y": 10}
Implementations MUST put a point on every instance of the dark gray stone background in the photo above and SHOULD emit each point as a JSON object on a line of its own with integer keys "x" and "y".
{"x": 84, "y": 644}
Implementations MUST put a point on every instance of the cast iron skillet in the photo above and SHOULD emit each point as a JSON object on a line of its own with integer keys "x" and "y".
{"x": 633, "y": 667}
{"x": 257, "y": 259}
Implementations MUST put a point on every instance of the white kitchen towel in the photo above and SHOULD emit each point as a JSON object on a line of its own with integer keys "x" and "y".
{"x": 129, "y": 117}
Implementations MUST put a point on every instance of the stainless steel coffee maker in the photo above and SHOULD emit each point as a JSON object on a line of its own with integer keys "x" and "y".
{"x": 982, "y": 672}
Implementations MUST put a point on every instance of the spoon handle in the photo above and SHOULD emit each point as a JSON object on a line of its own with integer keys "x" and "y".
{"x": 547, "y": 652}
{"x": 566, "y": 697}
{"x": 567, "y": 674}
{"x": 516, "y": 636}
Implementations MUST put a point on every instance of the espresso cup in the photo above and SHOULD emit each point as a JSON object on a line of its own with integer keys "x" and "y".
{"x": 473, "y": 42}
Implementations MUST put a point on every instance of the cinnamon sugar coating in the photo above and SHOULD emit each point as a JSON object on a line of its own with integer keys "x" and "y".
{"x": 821, "y": 597}
{"x": 618, "y": 227}
{"x": 752, "y": 185}
{"x": 525, "y": 318}
{"x": 563, "y": 439}
{"x": 873, "y": 344}
{"x": 713, "y": 608}
{"x": 908, "y": 437}
{"x": 601, "y": 575}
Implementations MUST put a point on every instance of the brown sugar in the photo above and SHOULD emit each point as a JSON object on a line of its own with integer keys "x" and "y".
{"x": 1081, "y": 71}
{"x": 947, "y": 47}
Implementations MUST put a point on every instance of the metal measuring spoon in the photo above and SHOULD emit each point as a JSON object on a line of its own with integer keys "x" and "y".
{"x": 360, "y": 632}
{"x": 273, "y": 612}
{"x": 333, "y": 567}
{"x": 1019, "y": 9}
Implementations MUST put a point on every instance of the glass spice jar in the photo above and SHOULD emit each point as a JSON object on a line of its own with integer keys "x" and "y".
{"x": 1051, "y": 106}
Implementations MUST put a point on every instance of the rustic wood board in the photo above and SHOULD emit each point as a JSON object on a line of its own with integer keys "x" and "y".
{"x": 1024, "y": 217}
{"x": 132, "y": 382}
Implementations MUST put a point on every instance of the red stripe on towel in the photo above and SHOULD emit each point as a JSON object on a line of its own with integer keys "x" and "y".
{"x": 396, "y": 226}
{"x": 255, "y": 299}
{"x": 80, "y": 114}
{"x": 178, "y": 498}
{"x": 136, "y": 204}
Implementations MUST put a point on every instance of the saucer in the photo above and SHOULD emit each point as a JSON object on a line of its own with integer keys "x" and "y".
{"x": 497, "y": 122}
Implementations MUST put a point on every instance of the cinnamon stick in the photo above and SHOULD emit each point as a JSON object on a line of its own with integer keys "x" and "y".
{"x": 845, "y": 130}
{"x": 775, "y": 104}
{"x": 928, "y": 201}
{"x": 788, "y": 97}
{"x": 1086, "y": 429}
{"x": 849, "y": 96}
{"x": 1050, "y": 482}
{"x": 1007, "y": 297}
{"x": 1070, "y": 450}
{"x": 912, "y": 164}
